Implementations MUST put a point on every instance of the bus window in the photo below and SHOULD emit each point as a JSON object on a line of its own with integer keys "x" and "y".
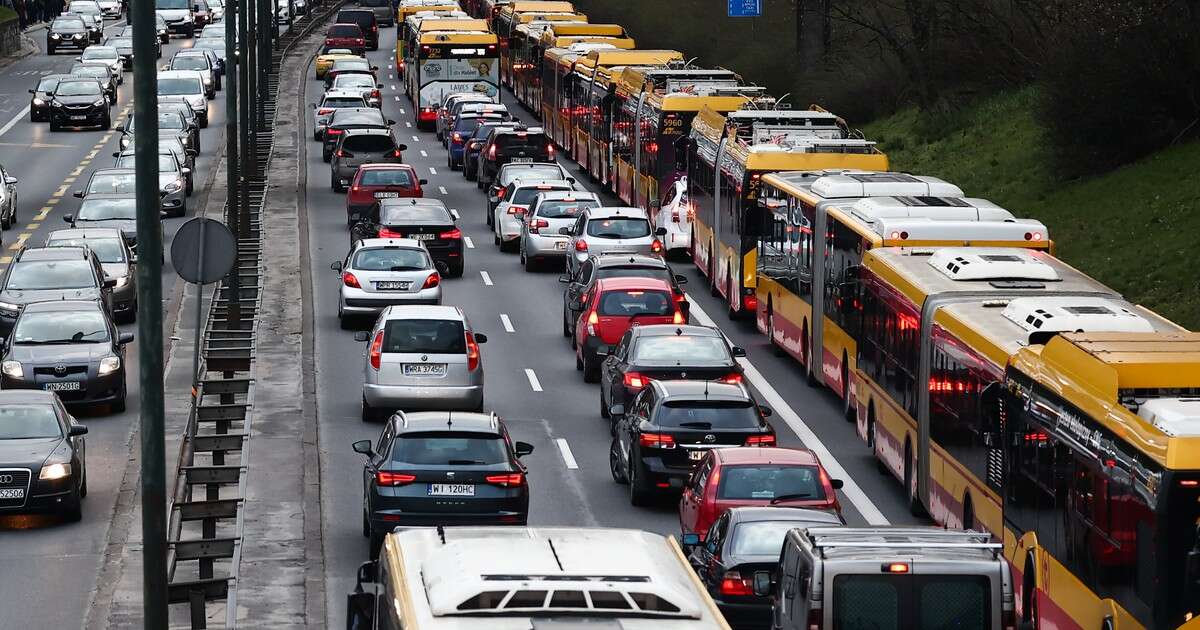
{"x": 890, "y": 348}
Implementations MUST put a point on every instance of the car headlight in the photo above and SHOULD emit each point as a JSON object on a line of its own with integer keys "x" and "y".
{"x": 124, "y": 280}
{"x": 173, "y": 187}
{"x": 59, "y": 470}
{"x": 55, "y": 36}
{"x": 207, "y": 81}
{"x": 39, "y": 102}
{"x": 12, "y": 369}
{"x": 12, "y": 308}
{"x": 108, "y": 365}
{"x": 77, "y": 35}
{"x": 99, "y": 103}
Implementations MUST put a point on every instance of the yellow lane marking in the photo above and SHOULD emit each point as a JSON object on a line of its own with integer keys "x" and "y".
{"x": 38, "y": 145}
{"x": 92, "y": 154}
{"x": 51, "y": 202}
{"x": 43, "y": 212}
{"x": 33, "y": 226}
{"x": 104, "y": 140}
{"x": 78, "y": 171}
{"x": 21, "y": 238}
{"x": 62, "y": 190}
{"x": 69, "y": 180}
{"x": 4, "y": 260}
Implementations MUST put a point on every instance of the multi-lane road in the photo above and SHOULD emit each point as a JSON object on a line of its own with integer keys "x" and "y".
{"x": 529, "y": 370}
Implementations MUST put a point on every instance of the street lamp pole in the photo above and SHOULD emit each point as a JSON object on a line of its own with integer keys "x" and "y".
{"x": 232, "y": 64}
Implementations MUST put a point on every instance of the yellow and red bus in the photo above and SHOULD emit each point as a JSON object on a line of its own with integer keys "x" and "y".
{"x": 1099, "y": 439}
{"x": 512, "y": 15}
{"x": 529, "y": 64}
{"x": 558, "y": 72}
{"x": 407, "y": 28}
{"x": 444, "y": 60}
{"x": 728, "y": 154}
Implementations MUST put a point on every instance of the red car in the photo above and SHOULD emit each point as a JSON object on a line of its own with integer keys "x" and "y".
{"x": 373, "y": 182}
{"x": 346, "y": 36}
{"x": 754, "y": 476}
{"x": 610, "y": 307}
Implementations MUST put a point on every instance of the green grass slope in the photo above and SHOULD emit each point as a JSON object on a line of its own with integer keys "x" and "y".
{"x": 1136, "y": 229}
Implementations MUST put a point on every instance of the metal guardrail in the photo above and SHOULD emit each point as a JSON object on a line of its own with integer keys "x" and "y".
{"x": 207, "y": 512}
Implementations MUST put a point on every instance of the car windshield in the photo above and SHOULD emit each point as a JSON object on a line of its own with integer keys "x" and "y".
{"x": 618, "y": 228}
{"x": 369, "y": 144}
{"x": 449, "y": 448}
{"x": 680, "y": 348}
{"x": 179, "y": 85}
{"x": 563, "y": 209}
{"x": 78, "y": 88}
{"x": 531, "y": 172}
{"x": 525, "y": 196}
{"x": 117, "y": 183}
{"x": 768, "y": 481}
{"x": 522, "y": 141}
{"x": 762, "y": 538}
{"x": 714, "y": 414}
{"x": 172, "y": 4}
{"x": 414, "y": 213}
{"x": 22, "y": 422}
{"x": 428, "y": 336}
{"x": 108, "y": 250}
{"x": 189, "y": 62}
{"x": 386, "y": 177}
{"x": 34, "y": 275}
{"x": 98, "y": 52}
{"x": 47, "y": 85}
{"x": 122, "y": 42}
{"x": 627, "y": 303}
{"x": 390, "y": 259}
{"x": 344, "y": 30}
{"x": 106, "y": 209}
{"x": 61, "y": 327}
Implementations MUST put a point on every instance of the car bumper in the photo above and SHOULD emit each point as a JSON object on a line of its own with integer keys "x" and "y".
{"x": 424, "y": 397}
{"x": 456, "y": 153}
{"x": 508, "y": 226}
{"x": 93, "y": 390}
{"x": 386, "y": 520}
{"x": 654, "y": 472}
{"x": 359, "y": 302}
{"x": 540, "y": 246}
{"x": 179, "y": 27}
{"x": 94, "y": 117}
{"x": 124, "y": 297}
{"x": 172, "y": 201}
{"x": 44, "y": 501}
{"x": 677, "y": 237}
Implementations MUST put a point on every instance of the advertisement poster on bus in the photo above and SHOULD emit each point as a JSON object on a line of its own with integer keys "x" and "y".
{"x": 441, "y": 77}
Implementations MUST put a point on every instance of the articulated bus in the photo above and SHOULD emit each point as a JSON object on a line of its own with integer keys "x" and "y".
{"x": 558, "y": 68}
{"x": 1099, "y": 440}
{"x": 444, "y": 62}
{"x": 937, "y": 328}
{"x": 528, "y": 72}
{"x": 728, "y": 154}
{"x": 525, "y": 42}
{"x": 407, "y": 28}
{"x": 506, "y": 20}
{"x": 823, "y": 222}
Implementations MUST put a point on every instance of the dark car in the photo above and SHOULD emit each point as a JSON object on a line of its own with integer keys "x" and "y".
{"x": 462, "y": 128}
{"x": 71, "y": 348}
{"x": 161, "y": 30}
{"x": 356, "y": 147}
{"x": 42, "y": 452}
{"x": 116, "y": 259}
{"x": 373, "y": 182}
{"x": 39, "y": 103}
{"x": 79, "y": 102}
{"x": 343, "y": 119}
{"x": 384, "y": 10}
{"x": 67, "y": 30}
{"x": 513, "y": 145}
{"x": 741, "y": 542}
{"x": 117, "y": 211}
{"x": 124, "y": 46}
{"x": 656, "y": 353}
{"x": 614, "y": 265}
{"x": 41, "y": 274}
{"x": 426, "y": 220}
{"x": 474, "y": 146}
{"x": 366, "y": 21}
{"x": 348, "y": 36}
{"x": 168, "y": 121}
{"x": 442, "y": 468}
{"x": 100, "y": 73}
{"x": 344, "y": 66}
{"x": 669, "y": 427}
{"x": 201, "y": 14}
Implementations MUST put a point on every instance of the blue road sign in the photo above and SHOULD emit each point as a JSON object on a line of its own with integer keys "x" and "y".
{"x": 745, "y": 8}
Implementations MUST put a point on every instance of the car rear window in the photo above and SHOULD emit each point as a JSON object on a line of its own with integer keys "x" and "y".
{"x": 352, "y": 116}
{"x": 20, "y": 422}
{"x": 627, "y": 303}
{"x": 564, "y": 209}
{"x": 525, "y": 196}
{"x": 886, "y": 602}
{"x": 769, "y": 481}
{"x": 189, "y": 62}
{"x": 401, "y": 214}
{"x": 386, "y": 177}
{"x": 344, "y": 30}
{"x": 618, "y": 228}
{"x": 449, "y": 449}
{"x": 762, "y": 538}
{"x": 353, "y": 80}
{"x": 676, "y": 348}
{"x": 522, "y": 141}
{"x": 532, "y": 172}
{"x": 108, "y": 250}
{"x": 429, "y": 336}
{"x": 390, "y": 259}
{"x": 361, "y": 18}
{"x": 708, "y": 414}
{"x": 343, "y": 101}
{"x": 369, "y": 144}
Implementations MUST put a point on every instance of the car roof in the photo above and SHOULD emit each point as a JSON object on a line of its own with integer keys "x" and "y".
{"x": 179, "y": 74}
{"x": 84, "y": 233}
{"x": 59, "y": 306}
{"x": 634, "y": 283}
{"x": 385, "y": 166}
{"x": 768, "y": 455}
{"x": 573, "y": 195}
{"x": 520, "y": 130}
{"x": 759, "y": 513}
{"x": 413, "y": 311}
{"x": 411, "y": 201}
{"x": 52, "y": 253}
{"x": 410, "y": 243}
{"x": 343, "y": 93}
{"x": 464, "y": 421}
{"x": 701, "y": 390}
{"x": 614, "y": 259}
{"x": 26, "y": 396}
{"x": 112, "y": 170}
{"x": 607, "y": 212}
{"x": 538, "y": 182}
{"x": 367, "y": 131}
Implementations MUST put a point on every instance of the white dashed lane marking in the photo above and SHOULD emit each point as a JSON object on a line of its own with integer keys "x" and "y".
{"x": 533, "y": 380}
{"x": 565, "y": 449}
{"x": 487, "y": 279}
{"x": 506, "y": 322}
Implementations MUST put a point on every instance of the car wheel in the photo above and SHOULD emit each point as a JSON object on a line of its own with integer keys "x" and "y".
{"x": 326, "y": 156}
{"x": 368, "y": 414}
{"x": 614, "y": 463}
{"x": 53, "y": 125}
{"x": 376, "y": 544}
{"x": 119, "y": 405}
{"x": 83, "y": 481}
{"x": 591, "y": 371}
{"x": 74, "y": 511}
{"x": 566, "y": 329}
{"x": 456, "y": 270}
{"x": 5, "y": 223}
{"x": 638, "y": 496}
{"x": 578, "y": 363}
{"x": 604, "y": 405}
{"x": 366, "y": 525}
{"x": 469, "y": 173}
{"x": 496, "y": 239}
{"x": 333, "y": 183}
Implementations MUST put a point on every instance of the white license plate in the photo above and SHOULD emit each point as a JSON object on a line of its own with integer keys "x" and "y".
{"x": 386, "y": 195}
{"x": 79, "y": 118}
{"x": 423, "y": 237}
{"x": 392, "y": 285}
{"x": 64, "y": 386}
{"x": 424, "y": 369}
{"x": 451, "y": 490}
{"x": 695, "y": 455}
{"x": 12, "y": 493}
{"x": 560, "y": 245}
{"x": 521, "y": 160}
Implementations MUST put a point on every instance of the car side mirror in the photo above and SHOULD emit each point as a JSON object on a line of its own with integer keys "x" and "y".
{"x": 689, "y": 541}
{"x": 109, "y": 282}
{"x": 78, "y": 194}
{"x": 69, "y": 218}
{"x": 765, "y": 411}
{"x": 10, "y": 180}
{"x": 403, "y": 147}
{"x": 185, "y": 170}
{"x": 738, "y": 351}
{"x": 77, "y": 430}
{"x": 836, "y": 483}
{"x": 762, "y": 583}
{"x": 422, "y": 181}
{"x": 522, "y": 449}
{"x": 336, "y": 266}
{"x": 480, "y": 338}
{"x": 362, "y": 336}
{"x": 364, "y": 447}
{"x": 390, "y": 121}
{"x": 124, "y": 338}
{"x": 33, "y": 91}
{"x": 564, "y": 278}
{"x": 616, "y": 411}
{"x": 117, "y": 154}
{"x": 662, "y": 231}
{"x": 680, "y": 279}
{"x": 374, "y": 68}
{"x": 565, "y": 231}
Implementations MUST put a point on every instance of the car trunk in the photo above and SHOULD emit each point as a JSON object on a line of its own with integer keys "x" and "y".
{"x": 658, "y": 372}
{"x": 424, "y": 353}
{"x": 619, "y": 309}
{"x": 698, "y": 426}
{"x": 392, "y": 282}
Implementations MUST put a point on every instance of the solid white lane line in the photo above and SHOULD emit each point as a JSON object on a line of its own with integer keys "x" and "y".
{"x": 12, "y": 123}
{"x": 423, "y": 153}
{"x": 487, "y": 279}
{"x": 568, "y": 457}
{"x": 506, "y": 322}
{"x": 442, "y": 189}
{"x": 853, "y": 492}
{"x": 469, "y": 242}
{"x": 454, "y": 213}
{"x": 533, "y": 380}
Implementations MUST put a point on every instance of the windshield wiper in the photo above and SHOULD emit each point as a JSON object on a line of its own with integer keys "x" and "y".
{"x": 45, "y": 342}
{"x": 696, "y": 425}
{"x": 78, "y": 337}
{"x": 791, "y": 497}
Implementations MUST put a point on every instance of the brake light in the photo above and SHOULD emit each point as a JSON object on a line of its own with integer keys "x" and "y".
{"x": 534, "y": 226}
{"x": 395, "y": 153}
{"x": 656, "y": 246}
{"x": 457, "y": 137}
{"x": 376, "y": 354}
{"x": 374, "y": 27}
{"x": 761, "y": 440}
{"x": 355, "y": 188}
{"x": 324, "y": 110}
{"x": 507, "y": 480}
{"x": 492, "y": 152}
{"x": 732, "y": 583}
{"x": 432, "y": 281}
{"x": 581, "y": 245}
{"x": 656, "y": 440}
{"x": 349, "y": 280}
{"x": 451, "y": 234}
{"x": 386, "y": 478}
{"x": 895, "y": 567}
{"x": 389, "y": 233}
{"x": 359, "y": 40}
{"x": 517, "y": 209}
{"x": 341, "y": 153}
{"x": 333, "y": 132}
{"x": 375, "y": 94}
{"x": 550, "y": 150}
{"x": 733, "y": 378}
{"x": 472, "y": 353}
{"x": 678, "y": 318}
{"x": 593, "y": 318}
{"x": 1189, "y": 483}
{"x": 749, "y": 302}
{"x": 499, "y": 193}
{"x": 634, "y": 380}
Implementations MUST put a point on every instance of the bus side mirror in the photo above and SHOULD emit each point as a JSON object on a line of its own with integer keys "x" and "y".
{"x": 762, "y": 583}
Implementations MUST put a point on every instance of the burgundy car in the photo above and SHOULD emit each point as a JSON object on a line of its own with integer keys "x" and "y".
{"x": 374, "y": 182}
{"x": 346, "y": 36}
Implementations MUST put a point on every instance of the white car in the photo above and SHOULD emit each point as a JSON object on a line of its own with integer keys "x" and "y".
{"x": 283, "y": 12}
{"x": 300, "y": 6}
{"x": 8, "y": 199}
{"x": 108, "y": 55}
{"x": 382, "y": 272}
{"x": 333, "y": 99}
{"x": 110, "y": 8}
{"x": 674, "y": 214}
{"x": 510, "y": 212}
{"x": 188, "y": 85}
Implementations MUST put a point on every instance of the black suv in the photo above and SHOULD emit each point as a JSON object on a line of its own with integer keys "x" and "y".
{"x": 67, "y": 30}
{"x": 340, "y": 120}
{"x": 615, "y": 265}
{"x": 669, "y": 427}
{"x": 366, "y": 20}
{"x": 423, "y": 219}
{"x": 70, "y": 347}
{"x": 99, "y": 73}
{"x": 509, "y": 144}
{"x": 442, "y": 468}
{"x": 79, "y": 102}
{"x": 41, "y": 274}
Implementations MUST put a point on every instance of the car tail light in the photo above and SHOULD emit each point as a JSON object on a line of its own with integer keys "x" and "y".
{"x": 360, "y": 41}
{"x": 656, "y": 440}
{"x": 761, "y": 440}
{"x": 492, "y": 153}
{"x": 656, "y": 246}
{"x": 472, "y": 353}
{"x": 451, "y": 234}
{"x": 499, "y": 193}
{"x": 534, "y": 226}
{"x": 635, "y": 380}
{"x": 349, "y": 280}
{"x": 732, "y": 583}
{"x": 376, "y": 94}
{"x": 457, "y": 137}
{"x": 550, "y": 150}
{"x": 355, "y": 188}
{"x": 426, "y": 113}
{"x": 374, "y": 27}
{"x": 581, "y": 245}
{"x": 333, "y": 132}
{"x": 433, "y": 280}
{"x": 517, "y": 209}
{"x": 507, "y": 480}
{"x": 678, "y": 318}
{"x": 324, "y": 110}
{"x": 395, "y": 153}
{"x": 393, "y": 479}
{"x": 593, "y": 318}
{"x": 376, "y": 353}
{"x": 733, "y": 378}
{"x": 895, "y": 567}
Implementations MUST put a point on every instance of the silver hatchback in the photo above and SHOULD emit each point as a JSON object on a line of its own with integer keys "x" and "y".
{"x": 549, "y": 213}
{"x": 380, "y": 272}
{"x": 421, "y": 357}
{"x": 610, "y": 229}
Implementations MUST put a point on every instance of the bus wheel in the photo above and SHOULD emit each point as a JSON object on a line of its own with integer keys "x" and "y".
{"x": 910, "y": 481}
{"x": 810, "y": 375}
{"x": 847, "y": 404}
{"x": 775, "y": 348}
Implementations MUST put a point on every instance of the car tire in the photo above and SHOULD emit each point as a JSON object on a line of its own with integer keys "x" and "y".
{"x": 578, "y": 363}
{"x": 469, "y": 173}
{"x": 50, "y": 50}
{"x": 614, "y": 464}
{"x": 604, "y": 406}
{"x": 74, "y": 510}
{"x": 344, "y": 322}
{"x": 566, "y": 328}
{"x": 5, "y": 223}
{"x": 496, "y": 239}
{"x": 119, "y": 405}
{"x": 53, "y": 125}
{"x": 83, "y": 482}
{"x": 591, "y": 371}
{"x": 638, "y": 496}
{"x": 368, "y": 413}
{"x": 366, "y": 525}
{"x": 326, "y": 156}
{"x": 316, "y": 136}
{"x": 376, "y": 544}
{"x": 456, "y": 270}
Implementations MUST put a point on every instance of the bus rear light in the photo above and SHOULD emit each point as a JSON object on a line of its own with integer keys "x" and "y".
{"x": 898, "y": 235}
{"x": 750, "y": 302}
{"x": 376, "y": 353}
{"x": 1033, "y": 236}
{"x": 1189, "y": 483}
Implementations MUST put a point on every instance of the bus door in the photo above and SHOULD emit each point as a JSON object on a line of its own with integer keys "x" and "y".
{"x": 714, "y": 257}
{"x": 820, "y": 278}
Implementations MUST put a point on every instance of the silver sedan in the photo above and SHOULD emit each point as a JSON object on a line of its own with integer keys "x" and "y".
{"x": 551, "y": 211}
{"x": 381, "y": 272}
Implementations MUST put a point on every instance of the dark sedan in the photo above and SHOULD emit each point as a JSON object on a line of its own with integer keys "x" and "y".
{"x": 442, "y": 468}
{"x": 426, "y": 220}
{"x": 67, "y": 30}
{"x": 39, "y": 102}
{"x": 42, "y": 455}
{"x": 79, "y": 102}
{"x": 70, "y": 347}
{"x": 124, "y": 46}
{"x": 117, "y": 211}
{"x": 44, "y": 274}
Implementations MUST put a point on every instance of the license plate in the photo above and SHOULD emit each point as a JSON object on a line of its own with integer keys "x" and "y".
{"x": 423, "y": 237}
{"x": 451, "y": 490}
{"x": 695, "y": 455}
{"x": 424, "y": 369}
{"x": 64, "y": 386}
{"x": 392, "y": 285}
{"x": 79, "y": 118}
{"x": 386, "y": 195}
{"x": 521, "y": 160}
{"x": 12, "y": 493}
{"x": 560, "y": 245}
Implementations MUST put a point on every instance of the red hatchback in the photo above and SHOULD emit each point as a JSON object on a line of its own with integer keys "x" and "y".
{"x": 610, "y": 308}
{"x": 754, "y": 476}
{"x": 346, "y": 36}
{"x": 373, "y": 182}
